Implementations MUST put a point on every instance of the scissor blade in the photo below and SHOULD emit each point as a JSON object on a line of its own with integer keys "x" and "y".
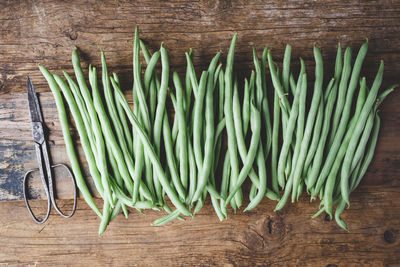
{"x": 34, "y": 108}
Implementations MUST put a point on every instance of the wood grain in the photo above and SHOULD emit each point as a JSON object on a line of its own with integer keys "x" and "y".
{"x": 45, "y": 32}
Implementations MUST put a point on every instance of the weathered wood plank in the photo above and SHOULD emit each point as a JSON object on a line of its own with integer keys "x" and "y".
{"x": 260, "y": 237}
{"x": 45, "y": 32}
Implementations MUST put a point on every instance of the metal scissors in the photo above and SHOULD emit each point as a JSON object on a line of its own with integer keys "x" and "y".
{"x": 42, "y": 153}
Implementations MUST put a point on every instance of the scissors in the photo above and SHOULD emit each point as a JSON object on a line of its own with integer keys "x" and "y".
{"x": 42, "y": 153}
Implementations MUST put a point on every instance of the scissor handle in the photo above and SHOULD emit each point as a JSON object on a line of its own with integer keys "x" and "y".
{"x": 52, "y": 192}
{"x": 46, "y": 189}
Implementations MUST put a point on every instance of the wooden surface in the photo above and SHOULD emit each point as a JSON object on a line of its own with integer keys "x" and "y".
{"x": 45, "y": 32}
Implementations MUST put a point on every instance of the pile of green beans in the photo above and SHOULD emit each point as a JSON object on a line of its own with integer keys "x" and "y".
{"x": 138, "y": 159}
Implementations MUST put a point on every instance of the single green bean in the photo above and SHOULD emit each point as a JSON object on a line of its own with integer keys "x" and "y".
{"x": 246, "y": 107}
{"x": 137, "y": 71}
{"x": 162, "y": 95}
{"x": 370, "y": 154}
{"x": 286, "y": 68}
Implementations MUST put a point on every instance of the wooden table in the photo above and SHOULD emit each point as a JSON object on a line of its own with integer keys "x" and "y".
{"x": 45, "y": 32}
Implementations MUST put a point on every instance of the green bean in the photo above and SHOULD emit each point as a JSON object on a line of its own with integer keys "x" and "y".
{"x": 317, "y": 96}
{"x": 284, "y": 102}
{"x": 253, "y": 192}
{"x": 238, "y": 128}
{"x": 259, "y": 88}
{"x": 199, "y": 205}
{"x": 287, "y": 140}
{"x": 363, "y": 141}
{"x": 84, "y": 113}
{"x": 182, "y": 138}
{"x": 122, "y": 118}
{"x": 100, "y": 147}
{"x": 246, "y": 107}
{"x": 171, "y": 158}
{"x": 356, "y": 161}
{"x": 145, "y": 51}
{"x": 286, "y": 68}
{"x": 360, "y": 102}
{"x": 338, "y": 72}
{"x": 167, "y": 218}
{"x": 275, "y": 145}
{"x": 112, "y": 111}
{"x": 331, "y": 180}
{"x": 217, "y": 208}
{"x": 300, "y": 125}
{"x": 153, "y": 79}
{"x": 100, "y": 144}
{"x": 149, "y": 72}
{"x": 302, "y": 108}
{"x": 255, "y": 125}
{"x": 126, "y": 169}
{"x": 369, "y": 155}
{"x": 192, "y": 74}
{"x": 118, "y": 177}
{"x": 232, "y": 145}
{"x": 106, "y": 217}
{"x": 192, "y": 173}
{"x": 345, "y": 172}
{"x": 188, "y": 88}
{"x": 80, "y": 109}
{"x": 292, "y": 84}
{"x": 316, "y": 136}
{"x": 299, "y": 190}
{"x": 198, "y": 120}
{"x": 342, "y": 93}
{"x": 82, "y": 133}
{"x": 333, "y": 149}
{"x": 210, "y": 130}
{"x": 220, "y": 127}
{"x": 149, "y": 150}
{"x": 224, "y": 182}
{"x": 116, "y": 211}
{"x": 338, "y": 212}
{"x": 162, "y": 95}
{"x": 140, "y": 159}
{"x": 80, "y": 182}
{"x": 137, "y": 71}
{"x": 318, "y": 158}
{"x": 265, "y": 116}
{"x": 263, "y": 180}
{"x": 237, "y": 121}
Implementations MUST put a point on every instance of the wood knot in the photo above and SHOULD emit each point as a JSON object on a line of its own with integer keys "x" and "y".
{"x": 389, "y": 236}
{"x": 331, "y": 265}
{"x": 73, "y": 36}
{"x": 274, "y": 227}
{"x": 224, "y": 5}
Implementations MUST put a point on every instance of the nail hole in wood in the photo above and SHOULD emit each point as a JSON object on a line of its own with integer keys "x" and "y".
{"x": 389, "y": 236}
